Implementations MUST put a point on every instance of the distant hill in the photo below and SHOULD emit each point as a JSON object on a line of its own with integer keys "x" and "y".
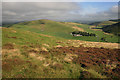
{"x": 102, "y": 24}
{"x": 115, "y": 29}
{"x": 62, "y": 30}
{"x": 95, "y": 23}
{"x": 116, "y": 20}
{"x": 110, "y": 26}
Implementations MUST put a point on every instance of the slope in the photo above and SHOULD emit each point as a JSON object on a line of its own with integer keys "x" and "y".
{"x": 102, "y": 24}
{"x": 62, "y": 30}
{"x": 112, "y": 29}
{"x": 47, "y": 27}
{"x": 28, "y": 54}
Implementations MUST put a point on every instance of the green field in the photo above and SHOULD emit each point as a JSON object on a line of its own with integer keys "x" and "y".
{"x": 100, "y": 34}
{"x": 104, "y": 23}
{"x": 57, "y": 29}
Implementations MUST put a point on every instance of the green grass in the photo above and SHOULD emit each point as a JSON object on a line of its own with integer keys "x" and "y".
{"x": 27, "y": 38}
{"x": 114, "y": 29}
{"x": 19, "y": 63}
{"x": 28, "y": 70}
{"x": 107, "y": 23}
{"x": 100, "y": 34}
{"x": 104, "y": 23}
{"x": 49, "y": 28}
{"x": 58, "y": 29}
{"x": 35, "y": 68}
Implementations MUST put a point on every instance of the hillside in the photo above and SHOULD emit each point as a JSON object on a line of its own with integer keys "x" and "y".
{"x": 46, "y": 49}
{"x": 59, "y": 40}
{"x": 63, "y": 30}
{"x": 47, "y": 27}
{"x": 27, "y": 54}
{"x": 102, "y": 24}
{"x": 112, "y": 29}
{"x": 116, "y": 20}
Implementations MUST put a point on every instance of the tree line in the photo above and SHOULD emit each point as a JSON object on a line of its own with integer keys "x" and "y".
{"x": 83, "y": 33}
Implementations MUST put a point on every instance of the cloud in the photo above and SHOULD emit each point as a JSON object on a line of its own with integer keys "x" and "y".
{"x": 58, "y": 11}
{"x": 111, "y": 13}
{"x": 60, "y": 0}
{"x": 9, "y": 13}
{"x": 27, "y": 11}
{"x": 114, "y": 9}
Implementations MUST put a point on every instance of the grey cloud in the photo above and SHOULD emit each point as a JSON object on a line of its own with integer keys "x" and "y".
{"x": 111, "y": 13}
{"x": 59, "y": 11}
{"x": 26, "y": 11}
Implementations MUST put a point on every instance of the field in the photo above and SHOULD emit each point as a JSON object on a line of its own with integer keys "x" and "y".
{"x": 46, "y": 49}
{"x": 63, "y": 30}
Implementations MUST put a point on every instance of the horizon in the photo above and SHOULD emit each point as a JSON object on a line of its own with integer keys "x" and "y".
{"x": 4, "y": 23}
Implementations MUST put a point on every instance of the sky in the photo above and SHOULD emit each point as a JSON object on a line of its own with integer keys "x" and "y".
{"x": 59, "y": 11}
{"x": 60, "y": 1}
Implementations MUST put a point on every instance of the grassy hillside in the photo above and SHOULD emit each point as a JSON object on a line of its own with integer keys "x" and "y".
{"x": 100, "y": 34}
{"x": 19, "y": 37}
{"x": 47, "y": 27}
{"x": 27, "y": 54}
{"x": 116, "y": 20}
{"x": 112, "y": 29}
{"x": 102, "y": 24}
{"x": 62, "y": 30}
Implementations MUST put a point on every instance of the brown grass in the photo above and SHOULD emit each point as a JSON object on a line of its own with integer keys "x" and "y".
{"x": 8, "y": 46}
{"x": 77, "y": 28}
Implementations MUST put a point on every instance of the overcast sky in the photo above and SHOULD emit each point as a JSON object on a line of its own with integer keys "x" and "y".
{"x": 59, "y": 11}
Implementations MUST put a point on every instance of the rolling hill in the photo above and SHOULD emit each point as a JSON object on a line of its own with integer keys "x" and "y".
{"x": 116, "y": 20}
{"x": 46, "y": 49}
{"x": 27, "y": 54}
{"x": 62, "y": 30}
{"x": 47, "y": 27}
{"x": 104, "y": 23}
